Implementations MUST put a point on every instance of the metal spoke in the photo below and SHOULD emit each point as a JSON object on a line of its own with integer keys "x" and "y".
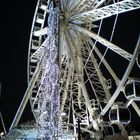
{"x": 108, "y": 67}
{"x": 107, "y": 11}
{"x": 103, "y": 41}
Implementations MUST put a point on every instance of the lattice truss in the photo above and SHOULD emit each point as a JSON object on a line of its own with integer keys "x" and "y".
{"x": 64, "y": 64}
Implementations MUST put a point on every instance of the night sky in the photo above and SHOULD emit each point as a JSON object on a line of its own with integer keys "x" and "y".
{"x": 16, "y": 20}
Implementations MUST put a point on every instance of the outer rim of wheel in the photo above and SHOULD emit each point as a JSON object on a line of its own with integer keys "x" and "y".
{"x": 30, "y": 45}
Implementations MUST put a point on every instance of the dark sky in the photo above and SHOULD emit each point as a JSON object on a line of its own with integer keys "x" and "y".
{"x": 16, "y": 20}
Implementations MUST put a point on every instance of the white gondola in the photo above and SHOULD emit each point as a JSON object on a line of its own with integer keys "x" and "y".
{"x": 132, "y": 89}
{"x": 119, "y": 114}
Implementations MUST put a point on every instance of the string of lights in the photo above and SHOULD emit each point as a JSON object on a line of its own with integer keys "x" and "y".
{"x": 49, "y": 100}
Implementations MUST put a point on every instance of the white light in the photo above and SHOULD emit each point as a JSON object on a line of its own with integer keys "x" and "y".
{"x": 63, "y": 114}
{"x": 45, "y": 112}
{"x": 43, "y": 7}
{"x": 2, "y": 133}
{"x": 49, "y": 98}
{"x": 41, "y": 32}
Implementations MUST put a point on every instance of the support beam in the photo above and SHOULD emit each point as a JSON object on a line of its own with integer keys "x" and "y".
{"x": 104, "y": 42}
{"x": 110, "y": 70}
{"x": 107, "y": 11}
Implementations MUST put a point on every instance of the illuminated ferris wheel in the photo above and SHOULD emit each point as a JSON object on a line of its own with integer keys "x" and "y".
{"x": 71, "y": 68}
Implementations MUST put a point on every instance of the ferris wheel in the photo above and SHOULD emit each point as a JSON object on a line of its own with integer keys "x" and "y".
{"x": 72, "y": 64}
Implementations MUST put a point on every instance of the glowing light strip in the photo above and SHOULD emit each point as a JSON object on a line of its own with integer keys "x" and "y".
{"x": 49, "y": 99}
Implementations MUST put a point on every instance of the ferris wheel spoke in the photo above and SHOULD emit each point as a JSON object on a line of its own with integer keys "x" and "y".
{"x": 87, "y": 101}
{"x": 104, "y": 42}
{"x": 77, "y": 7}
{"x": 67, "y": 83}
{"x": 72, "y": 3}
{"x": 63, "y": 4}
{"x": 72, "y": 49}
{"x": 99, "y": 3}
{"x": 108, "y": 67}
{"x": 66, "y": 94}
{"x": 86, "y": 5}
{"x": 107, "y": 11}
{"x": 66, "y": 6}
{"x": 98, "y": 82}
